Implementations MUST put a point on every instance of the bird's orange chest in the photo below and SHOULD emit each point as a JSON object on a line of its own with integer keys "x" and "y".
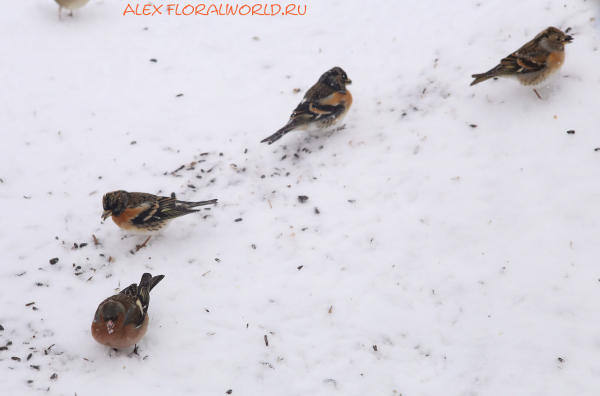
{"x": 556, "y": 59}
{"x": 337, "y": 98}
{"x": 123, "y": 220}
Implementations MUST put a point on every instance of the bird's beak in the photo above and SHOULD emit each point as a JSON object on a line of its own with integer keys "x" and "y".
{"x": 106, "y": 214}
{"x": 568, "y": 40}
{"x": 348, "y": 81}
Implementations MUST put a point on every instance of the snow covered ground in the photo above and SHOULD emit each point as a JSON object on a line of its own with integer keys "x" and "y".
{"x": 455, "y": 249}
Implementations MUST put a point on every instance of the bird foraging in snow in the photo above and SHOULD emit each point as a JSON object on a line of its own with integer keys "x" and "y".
{"x": 146, "y": 214}
{"x": 324, "y": 105}
{"x": 122, "y": 320}
{"x": 535, "y": 63}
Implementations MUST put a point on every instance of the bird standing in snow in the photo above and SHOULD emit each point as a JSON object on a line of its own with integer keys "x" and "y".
{"x": 146, "y": 214}
{"x": 535, "y": 63}
{"x": 324, "y": 105}
{"x": 122, "y": 320}
{"x": 70, "y": 5}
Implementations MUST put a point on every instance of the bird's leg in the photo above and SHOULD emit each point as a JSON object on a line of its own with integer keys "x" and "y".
{"x": 536, "y": 92}
{"x": 71, "y": 13}
{"x": 341, "y": 128}
{"x": 138, "y": 247}
{"x": 135, "y": 351}
{"x": 59, "y": 12}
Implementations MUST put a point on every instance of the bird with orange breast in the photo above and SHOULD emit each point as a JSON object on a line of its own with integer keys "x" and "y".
{"x": 535, "y": 64}
{"x": 325, "y": 104}
{"x": 122, "y": 320}
{"x": 145, "y": 214}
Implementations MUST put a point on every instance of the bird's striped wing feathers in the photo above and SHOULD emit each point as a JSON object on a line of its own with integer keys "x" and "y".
{"x": 141, "y": 294}
{"x": 165, "y": 208}
{"x": 313, "y": 111}
{"x": 523, "y": 62}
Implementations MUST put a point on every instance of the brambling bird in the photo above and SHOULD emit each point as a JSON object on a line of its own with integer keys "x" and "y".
{"x": 325, "y": 104}
{"x": 70, "y": 5}
{"x": 122, "y": 320}
{"x": 534, "y": 63}
{"x": 141, "y": 213}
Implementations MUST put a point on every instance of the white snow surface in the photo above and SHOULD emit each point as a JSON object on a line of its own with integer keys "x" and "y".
{"x": 467, "y": 255}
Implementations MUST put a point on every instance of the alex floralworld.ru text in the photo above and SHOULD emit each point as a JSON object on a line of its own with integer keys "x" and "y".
{"x": 213, "y": 9}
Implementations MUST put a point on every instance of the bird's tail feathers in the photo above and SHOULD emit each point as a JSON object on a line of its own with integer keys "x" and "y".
{"x": 482, "y": 77}
{"x": 201, "y": 203}
{"x": 279, "y": 134}
{"x": 148, "y": 281}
